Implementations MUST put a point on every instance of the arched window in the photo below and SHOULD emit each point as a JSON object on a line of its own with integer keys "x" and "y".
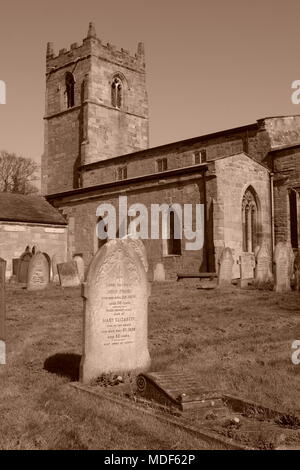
{"x": 116, "y": 93}
{"x": 249, "y": 220}
{"x": 70, "y": 85}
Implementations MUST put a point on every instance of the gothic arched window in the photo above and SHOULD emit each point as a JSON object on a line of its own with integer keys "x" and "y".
{"x": 116, "y": 93}
{"x": 249, "y": 220}
{"x": 70, "y": 85}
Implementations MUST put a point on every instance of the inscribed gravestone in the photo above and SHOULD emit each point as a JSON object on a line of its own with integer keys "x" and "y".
{"x": 263, "y": 270}
{"x": 38, "y": 272}
{"x": 23, "y": 265}
{"x": 2, "y": 311}
{"x": 225, "y": 268}
{"x": 115, "y": 312}
{"x": 68, "y": 274}
{"x": 247, "y": 265}
{"x": 282, "y": 259}
{"x": 80, "y": 266}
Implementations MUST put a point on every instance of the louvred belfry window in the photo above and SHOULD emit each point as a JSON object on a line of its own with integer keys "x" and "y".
{"x": 70, "y": 92}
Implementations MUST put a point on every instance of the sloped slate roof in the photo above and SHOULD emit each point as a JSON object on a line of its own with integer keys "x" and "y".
{"x": 35, "y": 209}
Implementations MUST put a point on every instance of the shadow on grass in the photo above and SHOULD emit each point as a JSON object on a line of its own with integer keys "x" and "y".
{"x": 64, "y": 364}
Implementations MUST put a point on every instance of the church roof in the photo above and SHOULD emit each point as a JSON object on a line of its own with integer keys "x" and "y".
{"x": 30, "y": 209}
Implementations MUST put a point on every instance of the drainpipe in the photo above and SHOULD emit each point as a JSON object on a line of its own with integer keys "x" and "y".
{"x": 272, "y": 213}
{"x": 206, "y": 241}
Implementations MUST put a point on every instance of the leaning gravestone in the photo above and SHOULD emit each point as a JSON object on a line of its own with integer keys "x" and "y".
{"x": 80, "y": 266}
{"x": 247, "y": 265}
{"x": 115, "y": 312}
{"x": 38, "y": 272}
{"x": 225, "y": 268}
{"x": 56, "y": 259}
{"x": 68, "y": 274}
{"x": 282, "y": 259}
{"x": 263, "y": 270}
{"x": 2, "y": 311}
{"x": 297, "y": 271}
{"x": 23, "y": 266}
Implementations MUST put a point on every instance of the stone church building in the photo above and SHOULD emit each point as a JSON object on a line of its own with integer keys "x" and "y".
{"x": 97, "y": 149}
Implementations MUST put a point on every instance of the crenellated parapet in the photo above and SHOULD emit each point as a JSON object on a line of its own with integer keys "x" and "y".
{"x": 93, "y": 46}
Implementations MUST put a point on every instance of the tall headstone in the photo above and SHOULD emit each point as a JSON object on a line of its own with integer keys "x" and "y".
{"x": 80, "y": 266}
{"x": 282, "y": 260}
{"x": 263, "y": 269}
{"x": 38, "y": 272}
{"x": 24, "y": 265}
{"x": 115, "y": 312}
{"x": 68, "y": 274}
{"x": 297, "y": 271}
{"x": 247, "y": 265}
{"x": 225, "y": 268}
{"x": 2, "y": 312}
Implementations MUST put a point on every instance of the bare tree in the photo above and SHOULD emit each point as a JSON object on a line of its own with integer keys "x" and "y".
{"x": 17, "y": 174}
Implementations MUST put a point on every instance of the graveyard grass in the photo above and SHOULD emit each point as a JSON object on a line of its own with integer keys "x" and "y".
{"x": 238, "y": 341}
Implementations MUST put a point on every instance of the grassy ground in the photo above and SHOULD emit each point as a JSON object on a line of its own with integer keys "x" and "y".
{"x": 237, "y": 341}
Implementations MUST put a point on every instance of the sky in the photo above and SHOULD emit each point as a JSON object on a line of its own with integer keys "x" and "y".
{"x": 211, "y": 64}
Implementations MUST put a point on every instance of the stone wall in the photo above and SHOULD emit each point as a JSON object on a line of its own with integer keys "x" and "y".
{"x": 234, "y": 175}
{"x": 14, "y": 237}
{"x": 286, "y": 165}
{"x": 179, "y": 154}
{"x": 81, "y": 209}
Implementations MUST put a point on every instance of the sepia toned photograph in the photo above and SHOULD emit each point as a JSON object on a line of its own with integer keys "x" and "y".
{"x": 149, "y": 228}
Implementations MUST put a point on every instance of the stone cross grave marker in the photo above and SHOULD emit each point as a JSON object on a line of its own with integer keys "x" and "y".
{"x": 225, "y": 268}
{"x": 115, "y": 312}
{"x": 68, "y": 274}
{"x": 2, "y": 312}
{"x": 247, "y": 265}
{"x": 263, "y": 269}
{"x": 38, "y": 272}
{"x": 282, "y": 259}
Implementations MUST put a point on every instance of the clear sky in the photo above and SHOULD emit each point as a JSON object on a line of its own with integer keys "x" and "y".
{"x": 211, "y": 64}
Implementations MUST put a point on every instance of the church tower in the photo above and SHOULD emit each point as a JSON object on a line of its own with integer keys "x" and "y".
{"x": 96, "y": 109}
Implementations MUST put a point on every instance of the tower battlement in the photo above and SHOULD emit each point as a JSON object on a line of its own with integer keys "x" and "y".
{"x": 92, "y": 45}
